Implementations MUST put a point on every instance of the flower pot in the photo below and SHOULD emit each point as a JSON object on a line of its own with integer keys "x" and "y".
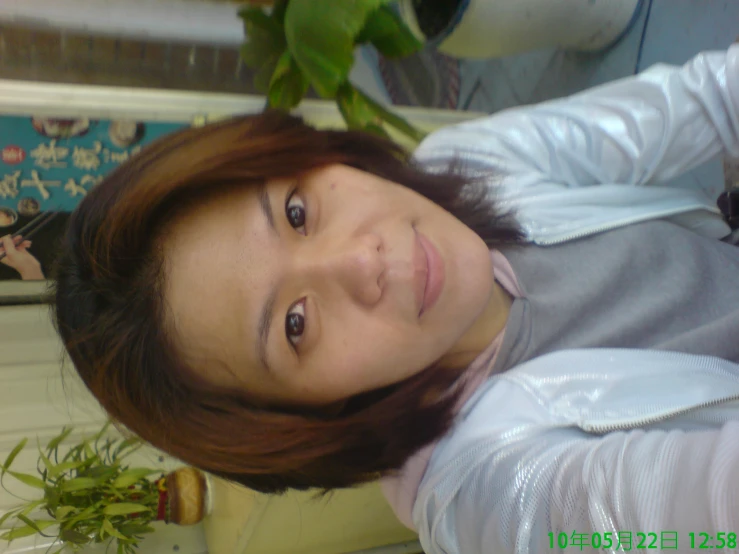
{"x": 185, "y": 496}
{"x": 491, "y": 28}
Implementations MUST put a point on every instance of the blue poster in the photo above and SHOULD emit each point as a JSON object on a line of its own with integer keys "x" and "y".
{"x": 47, "y": 166}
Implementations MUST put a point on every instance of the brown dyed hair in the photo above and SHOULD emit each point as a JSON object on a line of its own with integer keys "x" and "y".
{"x": 110, "y": 311}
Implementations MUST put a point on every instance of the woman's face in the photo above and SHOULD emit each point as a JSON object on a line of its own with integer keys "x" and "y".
{"x": 310, "y": 290}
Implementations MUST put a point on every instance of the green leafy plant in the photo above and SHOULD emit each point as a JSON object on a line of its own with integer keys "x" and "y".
{"x": 300, "y": 44}
{"x": 90, "y": 495}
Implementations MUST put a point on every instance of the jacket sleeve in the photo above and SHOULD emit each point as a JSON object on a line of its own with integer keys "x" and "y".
{"x": 519, "y": 494}
{"x": 644, "y": 129}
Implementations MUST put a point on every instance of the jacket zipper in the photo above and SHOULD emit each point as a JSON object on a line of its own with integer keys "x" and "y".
{"x": 633, "y": 424}
{"x": 616, "y": 224}
{"x": 599, "y": 423}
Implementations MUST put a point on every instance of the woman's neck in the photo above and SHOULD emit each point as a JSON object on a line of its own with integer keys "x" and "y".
{"x": 488, "y": 325}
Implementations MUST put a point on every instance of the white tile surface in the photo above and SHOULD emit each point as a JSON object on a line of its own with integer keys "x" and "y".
{"x": 679, "y": 29}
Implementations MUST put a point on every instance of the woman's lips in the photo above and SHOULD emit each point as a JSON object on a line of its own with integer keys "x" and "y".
{"x": 429, "y": 274}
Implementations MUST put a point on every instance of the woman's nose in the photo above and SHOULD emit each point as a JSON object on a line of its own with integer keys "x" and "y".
{"x": 356, "y": 265}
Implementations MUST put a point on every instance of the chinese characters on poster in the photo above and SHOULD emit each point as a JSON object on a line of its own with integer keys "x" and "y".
{"x": 49, "y": 165}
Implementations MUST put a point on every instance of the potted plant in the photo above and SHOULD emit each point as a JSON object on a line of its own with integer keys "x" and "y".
{"x": 459, "y": 28}
{"x": 491, "y": 28}
{"x": 90, "y": 494}
{"x": 298, "y": 44}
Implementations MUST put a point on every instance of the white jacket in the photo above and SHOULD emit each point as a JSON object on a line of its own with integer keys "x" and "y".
{"x": 596, "y": 441}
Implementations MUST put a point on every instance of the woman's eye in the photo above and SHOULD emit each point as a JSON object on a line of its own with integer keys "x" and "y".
{"x": 295, "y": 323}
{"x": 295, "y": 212}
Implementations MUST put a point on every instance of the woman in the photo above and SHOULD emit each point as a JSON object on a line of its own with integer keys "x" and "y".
{"x": 287, "y": 307}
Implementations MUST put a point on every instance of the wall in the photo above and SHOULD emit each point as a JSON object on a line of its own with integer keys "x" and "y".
{"x": 173, "y": 44}
{"x": 213, "y": 23}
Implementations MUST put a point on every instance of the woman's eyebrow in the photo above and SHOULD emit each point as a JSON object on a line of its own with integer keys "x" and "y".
{"x": 265, "y": 324}
{"x": 266, "y": 205}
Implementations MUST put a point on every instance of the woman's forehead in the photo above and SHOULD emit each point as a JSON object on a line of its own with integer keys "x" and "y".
{"x": 210, "y": 274}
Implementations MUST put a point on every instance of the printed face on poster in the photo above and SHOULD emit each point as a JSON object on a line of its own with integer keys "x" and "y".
{"x": 47, "y": 166}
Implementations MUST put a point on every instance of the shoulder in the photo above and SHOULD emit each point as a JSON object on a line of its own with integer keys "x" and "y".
{"x": 484, "y": 142}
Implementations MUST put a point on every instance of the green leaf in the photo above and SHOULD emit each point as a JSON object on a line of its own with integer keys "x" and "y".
{"x": 101, "y": 433}
{"x": 288, "y": 84}
{"x": 63, "y": 511}
{"x": 28, "y": 522}
{"x": 264, "y": 35}
{"x": 18, "y": 533}
{"x": 51, "y": 494}
{"x": 108, "y": 527}
{"x": 131, "y": 476}
{"x": 89, "y": 452}
{"x": 13, "y": 453}
{"x": 7, "y": 515}
{"x": 31, "y": 506}
{"x": 264, "y": 72}
{"x": 134, "y": 446}
{"x": 265, "y": 43}
{"x": 389, "y": 34}
{"x": 74, "y": 537}
{"x": 362, "y": 112}
{"x": 91, "y": 512}
{"x": 116, "y": 493}
{"x": 103, "y": 451}
{"x": 321, "y": 36}
{"x": 356, "y": 111}
{"x": 134, "y": 529}
{"x": 102, "y": 472}
{"x": 56, "y": 441}
{"x": 74, "y": 453}
{"x": 31, "y": 528}
{"x": 125, "y": 445}
{"x": 38, "y": 525}
{"x": 124, "y": 508}
{"x": 394, "y": 120}
{"x": 79, "y": 484}
{"x": 47, "y": 463}
{"x": 58, "y": 469}
{"x": 84, "y": 465}
{"x": 279, "y": 7}
{"x": 377, "y": 130}
{"x": 29, "y": 480}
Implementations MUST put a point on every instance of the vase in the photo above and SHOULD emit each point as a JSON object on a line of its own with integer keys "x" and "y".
{"x": 492, "y": 28}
